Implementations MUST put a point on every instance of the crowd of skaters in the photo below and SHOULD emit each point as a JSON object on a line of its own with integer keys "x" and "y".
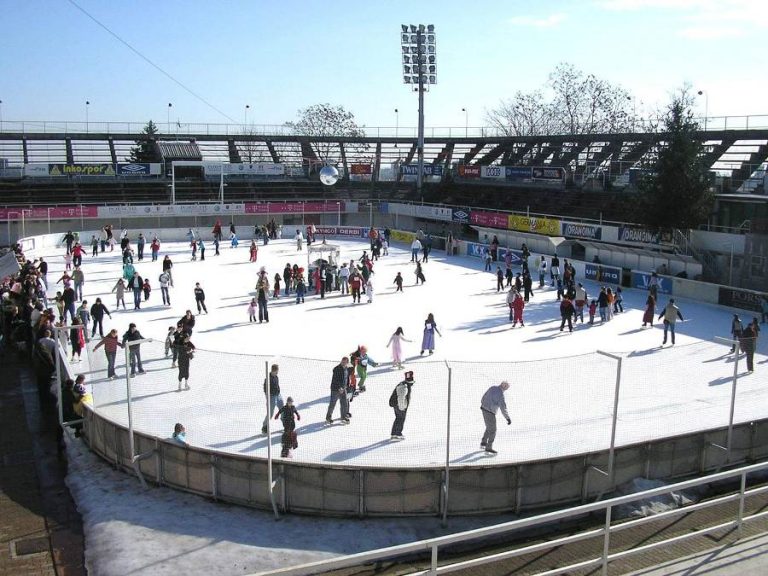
{"x": 356, "y": 280}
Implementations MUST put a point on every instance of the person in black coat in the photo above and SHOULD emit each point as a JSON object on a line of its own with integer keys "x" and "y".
{"x": 527, "y": 286}
{"x": 275, "y": 399}
{"x": 339, "y": 383}
{"x": 566, "y": 313}
{"x": 134, "y": 352}
{"x": 188, "y": 322}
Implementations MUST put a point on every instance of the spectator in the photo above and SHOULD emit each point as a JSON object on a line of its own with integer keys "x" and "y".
{"x": 180, "y": 434}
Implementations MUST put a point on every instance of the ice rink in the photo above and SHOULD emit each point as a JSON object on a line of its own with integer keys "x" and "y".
{"x": 560, "y": 401}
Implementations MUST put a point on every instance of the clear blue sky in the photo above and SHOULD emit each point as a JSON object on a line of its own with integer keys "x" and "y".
{"x": 280, "y": 56}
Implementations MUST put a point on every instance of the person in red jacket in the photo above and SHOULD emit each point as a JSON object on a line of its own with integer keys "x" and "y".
{"x": 110, "y": 343}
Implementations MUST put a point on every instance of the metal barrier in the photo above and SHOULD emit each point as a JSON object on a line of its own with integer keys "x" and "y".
{"x": 433, "y": 545}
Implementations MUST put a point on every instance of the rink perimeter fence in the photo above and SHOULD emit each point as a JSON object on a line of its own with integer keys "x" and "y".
{"x": 228, "y": 459}
{"x": 561, "y": 455}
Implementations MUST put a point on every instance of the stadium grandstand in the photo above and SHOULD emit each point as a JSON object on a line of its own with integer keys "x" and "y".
{"x": 585, "y": 176}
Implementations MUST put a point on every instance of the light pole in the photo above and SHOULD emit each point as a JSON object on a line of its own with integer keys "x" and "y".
{"x": 87, "y": 104}
{"x": 397, "y": 123}
{"x": 245, "y": 124}
{"x": 634, "y": 111}
{"x": 338, "y": 213}
{"x": 466, "y": 122}
{"x": 706, "y": 106}
{"x": 169, "y": 117}
{"x": 419, "y": 71}
{"x": 1, "y": 115}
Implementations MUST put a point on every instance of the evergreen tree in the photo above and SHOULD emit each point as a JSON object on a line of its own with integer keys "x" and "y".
{"x": 675, "y": 191}
{"x": 144, "y": 151}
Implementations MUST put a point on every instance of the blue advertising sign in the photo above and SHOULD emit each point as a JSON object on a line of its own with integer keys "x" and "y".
{"x": 588, "y": 231}
{"x": 429, "y": 169}
{"x": 134, "y": 169}
{"x": 642, "y": 280}
{"x": 460, "y": 215}
{"x": 517, "y": 172}
{"x": 638, "y": 235}
{"x": 476, "y": 250}
{"x": 600, "y": 273}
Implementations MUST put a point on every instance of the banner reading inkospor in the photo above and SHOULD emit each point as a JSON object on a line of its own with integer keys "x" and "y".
{"x": 81, "y": 170}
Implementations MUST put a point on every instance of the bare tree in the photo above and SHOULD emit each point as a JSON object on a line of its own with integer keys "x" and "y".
{"x": 252, "y": 148}
{"x": 577, "y": 104}
{"x": 324, "y": 123}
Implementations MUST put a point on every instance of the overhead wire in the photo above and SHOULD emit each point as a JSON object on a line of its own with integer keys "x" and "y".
{"x": 150, "y": 62}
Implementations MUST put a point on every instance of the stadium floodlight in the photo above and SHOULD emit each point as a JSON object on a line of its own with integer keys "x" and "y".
{"x": 420, "y": 71}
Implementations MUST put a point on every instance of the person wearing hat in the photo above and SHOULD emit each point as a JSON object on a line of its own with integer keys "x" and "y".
{"x": 400, "y": 400}
{"x": 492, "y": 401}
{"x": 670, "y": 314}
{"x": 737, "y": 328}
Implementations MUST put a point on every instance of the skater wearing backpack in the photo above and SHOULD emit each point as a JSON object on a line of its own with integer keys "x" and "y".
{"x": 400, "y": 400}
{"x": 286, "y": 414}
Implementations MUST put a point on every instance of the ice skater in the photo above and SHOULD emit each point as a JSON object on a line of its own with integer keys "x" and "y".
{"x": 491, "y": 402}
{"x": 339, "y": 383}
{"x": 398, "y": 282}
{"x": 272, "y": 387}
{"x": 400, "y": 401}
{"x": 361, "y": 361}
{"x": 200, "y": 299}
{"x": 396, "y": 341}
{"x": 369, "y": 289}
{"x": 650, "y": 310}
{"x": 119, "y": 290}
{"x": 428, "y": 340}
{"x": 185, "y": 354}
{"x": 254, "y": 251}
{"x": 252, "y": 307}
{"x": 419, "y": 274}
{"x": 286, "y": 415}
{"x": 670, "y": 314}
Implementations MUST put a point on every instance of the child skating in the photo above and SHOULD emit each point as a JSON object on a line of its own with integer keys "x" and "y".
{"x": 286, "y": 415}
{"x": 396, "y": 341}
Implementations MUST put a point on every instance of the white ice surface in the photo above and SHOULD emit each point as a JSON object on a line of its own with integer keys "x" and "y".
{"x": 558, "y": 406}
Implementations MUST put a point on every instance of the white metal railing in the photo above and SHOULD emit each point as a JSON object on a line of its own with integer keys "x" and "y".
{"x": 433, "y": 545}
{"x": 710, "y": 123}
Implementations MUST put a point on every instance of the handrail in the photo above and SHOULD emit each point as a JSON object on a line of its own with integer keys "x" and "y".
{"x": 433, "y": 544}
{"x": 711, "y": 123}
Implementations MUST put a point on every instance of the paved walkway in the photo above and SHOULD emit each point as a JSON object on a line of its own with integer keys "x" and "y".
{"x": 40, "y": 530}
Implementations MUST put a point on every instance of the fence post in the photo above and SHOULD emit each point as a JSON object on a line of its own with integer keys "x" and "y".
{"x": 446, "y": 482}
{"x": 131, "y": 445}
{"x": 614, "y": 419}
{"x": 268, "y": 408}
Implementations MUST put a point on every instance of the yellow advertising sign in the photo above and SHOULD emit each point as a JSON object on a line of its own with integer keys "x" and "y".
{"x": 548, "y": 226}
{"x": 400, "y": 236}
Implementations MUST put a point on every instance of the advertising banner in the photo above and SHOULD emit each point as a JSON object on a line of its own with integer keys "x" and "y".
{"x": 517, "y": 256}
{"x": 81, "y": 170}
{"x": 492, "y": 172}
{"x": 475, "y": 249}
{"x": 433, "y": 213}
{"x": 245, "y": 169}
{"x": 43, "y": 213}
{"x": 429, "y": 169}
{"x": 169, "y": 210}
{"x": 586, "y": 231}
{"x": 600, "y": 273}
{"x": 460, "y": 215}
{"x": 358, "y": 169}
{"x": 541, "y": 173}
{"x": 469, "y": 171}
{"x": 348, "y": 231}
{"x": 517, "y": 172}
{"x": 638, "y": 235}
{"x": 737, "y": 298}
{"x": 490, "y": 219}
{"x": 642, "y": 280}
{"x": 548, "y": 226}
{"x": 135, "y": 169}
{"x": 400, "y": 236}
{"x": 36, "y": 170}
{"x": 292, "y": 207}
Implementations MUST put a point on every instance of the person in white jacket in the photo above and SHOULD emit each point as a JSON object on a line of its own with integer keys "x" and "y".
{"x": 415, "y": 248}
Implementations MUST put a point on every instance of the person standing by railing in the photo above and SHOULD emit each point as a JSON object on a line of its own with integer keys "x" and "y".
{"x": 110, "y": 343}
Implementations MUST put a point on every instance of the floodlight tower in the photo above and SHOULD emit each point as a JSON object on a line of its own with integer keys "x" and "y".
{"x": 419, "y": 71}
